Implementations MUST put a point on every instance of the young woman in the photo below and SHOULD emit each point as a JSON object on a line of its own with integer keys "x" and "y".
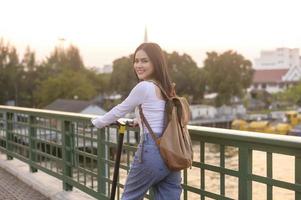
{"x": 148, "y": 169}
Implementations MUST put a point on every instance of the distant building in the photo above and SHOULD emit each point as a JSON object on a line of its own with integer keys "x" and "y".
{"x": 97, "y": 70}
{"x": 76, "y": 106}
{"x": 275, "y": 80}
{"x": 281, "y": 58}
{"x": 202, "y": 112}
{"x": 293, "y": 75}
{"x": 107, "y": 69}
{"x": 269, "y": 80}
{"x": 233, "y": 110}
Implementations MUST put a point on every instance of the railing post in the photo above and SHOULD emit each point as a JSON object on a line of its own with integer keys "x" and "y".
{"x": 202, "y": 160}
{"x": 67, "y": 154}
{"x": 222, "y": 164}
{"x": 101, "y": 164}
{"x": 298, "y": 175}
{"x": 32, "y": 142}
{"x": 245, "y": 169}
{"x": 269, "y": 164}
{"x": 9, "y": 134}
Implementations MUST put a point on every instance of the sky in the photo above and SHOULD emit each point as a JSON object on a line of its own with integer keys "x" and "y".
{"x": 107, "y": 30}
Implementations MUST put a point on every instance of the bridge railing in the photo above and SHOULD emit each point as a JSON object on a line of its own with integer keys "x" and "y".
{"x": 65, "y": 146}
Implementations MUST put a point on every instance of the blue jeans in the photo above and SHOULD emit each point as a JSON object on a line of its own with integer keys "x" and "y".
{"x": 151, "y": 173}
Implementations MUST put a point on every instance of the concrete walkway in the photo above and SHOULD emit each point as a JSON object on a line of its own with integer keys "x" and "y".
{"x": 17, "y": 183}
{"x": 11, "y": 188}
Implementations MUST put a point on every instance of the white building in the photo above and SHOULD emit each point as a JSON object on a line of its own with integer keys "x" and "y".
{"x": 275, "y": 80}
{"x": 281, "y": 58}
{"x": 106, "y": 69}
{"x": 276, "y": 70}
{"x": 269, "y": 80}
{"x": 202, "y": 112}
{"x": 234, "y": 110}
{"x": 293, "y": 74}
{"x": 206, "y": 112}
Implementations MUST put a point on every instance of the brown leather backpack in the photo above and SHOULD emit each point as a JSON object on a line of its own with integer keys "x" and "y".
{"x": 175, "y": 144}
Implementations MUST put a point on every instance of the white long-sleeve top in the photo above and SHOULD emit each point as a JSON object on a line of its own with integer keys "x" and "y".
{"x": 143, "y": 93}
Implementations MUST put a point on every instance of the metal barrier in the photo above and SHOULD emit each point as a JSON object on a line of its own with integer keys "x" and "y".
{"x": 65, "y": 146}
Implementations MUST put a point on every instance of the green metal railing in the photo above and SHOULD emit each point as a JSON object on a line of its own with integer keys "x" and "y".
{"x": 65, "y": 146}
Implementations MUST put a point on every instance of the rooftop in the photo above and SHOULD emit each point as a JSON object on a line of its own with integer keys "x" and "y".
{"x": 68, "y": 105}
{"x": 269, "y": 75}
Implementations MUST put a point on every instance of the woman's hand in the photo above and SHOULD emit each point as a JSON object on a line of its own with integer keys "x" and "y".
{"x": 133, "y": 123}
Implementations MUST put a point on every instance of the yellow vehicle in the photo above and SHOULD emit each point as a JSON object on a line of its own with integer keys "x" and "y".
{"x": 293, "y": 118}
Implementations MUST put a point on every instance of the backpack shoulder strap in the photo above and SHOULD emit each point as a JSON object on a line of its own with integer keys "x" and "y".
{"x": 147, "y": 124}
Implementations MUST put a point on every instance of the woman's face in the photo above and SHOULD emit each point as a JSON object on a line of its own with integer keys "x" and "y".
{"x": 143, "y": 66}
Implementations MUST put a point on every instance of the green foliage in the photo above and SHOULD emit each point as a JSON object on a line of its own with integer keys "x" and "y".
{"x": 61, "y": 75}
{"x": 10, "y": 73}
{"x": 101, "y": 82}
{"x": 227, "y": 74}
{"x": 123, "y": 76}
{"x": 64, "y": 59}
{"x": 66, "y": 85}
{"x": 29, "y": 79}
{"x": 188, "y": 77}
{"x": 292, "y": 95}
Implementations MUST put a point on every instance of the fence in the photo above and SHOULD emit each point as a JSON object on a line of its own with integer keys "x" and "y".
{"x": 65, "y": 146}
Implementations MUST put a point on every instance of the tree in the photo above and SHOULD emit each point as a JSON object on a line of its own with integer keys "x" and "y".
{"x": 123, "y": 76}
{"x": 73, "y": 58}
{"x": 291, "y": 95}
{"x": 10, "y": 73}
{"x": 67, "y": 85}
{"x": 4, "y": 48}
{"x": 187, "y": 76}
{"x": 227, "y": 74}
{"x": 29, "y": 60}
{"x": 101, "y": 82}
{"x": 61, "y": 59}
{"x": 63, "y": 75}
{"x": 30, "y": 77}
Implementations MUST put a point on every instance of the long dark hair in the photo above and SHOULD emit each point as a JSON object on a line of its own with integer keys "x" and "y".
{"x": 157, "y": 58}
